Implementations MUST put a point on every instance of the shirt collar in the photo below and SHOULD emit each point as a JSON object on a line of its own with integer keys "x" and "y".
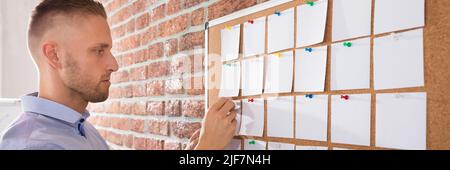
{"x": 35, "y": 104}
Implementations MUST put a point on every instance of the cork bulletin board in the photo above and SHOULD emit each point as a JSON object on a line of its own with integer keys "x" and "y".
{"x": 436, "y": 67}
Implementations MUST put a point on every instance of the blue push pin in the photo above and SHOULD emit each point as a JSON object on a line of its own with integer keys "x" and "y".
{"x": 309, "y": 49}
{"x": 309, "y": 96}
{"x": 278, "y": 13}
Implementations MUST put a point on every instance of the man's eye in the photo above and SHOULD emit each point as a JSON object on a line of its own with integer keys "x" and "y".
{"x": 100, "y": 52}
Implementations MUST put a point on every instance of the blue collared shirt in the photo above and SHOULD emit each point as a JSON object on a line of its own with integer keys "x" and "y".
{"x": 48, "y": 125}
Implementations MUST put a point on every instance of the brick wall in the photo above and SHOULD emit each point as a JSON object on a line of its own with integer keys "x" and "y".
{"x": 157, "y": 97}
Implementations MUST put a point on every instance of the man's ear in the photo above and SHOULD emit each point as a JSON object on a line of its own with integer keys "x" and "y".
{"x": 49, "y": 50}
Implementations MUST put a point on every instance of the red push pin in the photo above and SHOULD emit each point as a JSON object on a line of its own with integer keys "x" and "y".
{"x": 345, "y": 97}
{"x": 251, "y": 21}
{"x": 251, "y": 100}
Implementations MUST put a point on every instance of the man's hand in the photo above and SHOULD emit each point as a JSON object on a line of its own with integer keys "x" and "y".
{"x": 193, "y": 141}
{"x": 218, "y": 126}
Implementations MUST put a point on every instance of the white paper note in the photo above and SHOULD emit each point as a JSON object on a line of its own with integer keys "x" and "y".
{"x": 311, "y": 148}
{"x": 394, "y": 15}
{"x": 250, "y": 144}
{"x": 280, "y": 117}
{"x": 281, "y": 31}
{"x": 401, "y": 121}
{"x": 238, "y": 109}
{"x": 279, "y": 73}
{"x": 280, "y": 146}
{"x": 230, "y": 42}
{"x": 235, "y": 144}
{"x": 252, "y": 76}
{"x": 350, "y": 119}
{"x": 311, "y": 23}
{"x": 230, "y": 80}
{"x": 311, "y": 117}
{"x": 399, "y": 60}
{"x": 350, "y": 66}
{"x": 351, "y": 19}
{"x": 310, "y": 70}
{"x": 254, "y": 37}
{"x": 252, "y": 120}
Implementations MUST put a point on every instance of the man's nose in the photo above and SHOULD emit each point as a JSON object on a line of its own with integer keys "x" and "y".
{"x": 113, "y": 66}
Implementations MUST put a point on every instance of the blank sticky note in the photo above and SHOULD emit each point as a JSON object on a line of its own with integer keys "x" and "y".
{"x": 311, "y": 148}
{"x": 279, "y": 73}
{"x": 230, "y": 42}
{"x": 230, "y": 80}
{"x": 238, "y": 109}
{"x": 252, "y": 76}
{"x": 254, "y": 37}
{"x": 280, "y": 146}
{"x": 399, "y": 60}
{"x": 350, "y": 66}
{"x": 401, "y": 121}
{"x": 281, "y": 31}
{"x": 310, "y": 70}
{"x": 252, "y": 120}
{"x": 235, "y": 144}
{"x": 394, "y": 15}
{"x": 350, "y": 119}
{"x": 351, "y": 19}
{"x": 280, "y": 117}
{"x": 311, "y": 23}
{"x": 250, "y": 144}
{"x": 311, "y": 117}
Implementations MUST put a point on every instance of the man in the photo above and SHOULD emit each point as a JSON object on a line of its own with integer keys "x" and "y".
{"x": 70, "y": 42}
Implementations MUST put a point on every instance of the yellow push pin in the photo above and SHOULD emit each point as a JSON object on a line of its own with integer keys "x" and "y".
{"x": 228, "y": 28}
{"x": 279, "y": 55}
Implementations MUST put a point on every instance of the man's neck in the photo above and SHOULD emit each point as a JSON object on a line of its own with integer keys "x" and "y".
{"x": 63, "y": 96}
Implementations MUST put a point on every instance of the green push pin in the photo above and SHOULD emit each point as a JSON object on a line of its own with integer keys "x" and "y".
{"x": 252, "y": 142}
{"x": 310, "y": 3}
{"x": 348, "y": 44}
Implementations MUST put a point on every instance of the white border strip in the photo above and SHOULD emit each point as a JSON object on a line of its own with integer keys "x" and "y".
{"x": 247, "y": 11}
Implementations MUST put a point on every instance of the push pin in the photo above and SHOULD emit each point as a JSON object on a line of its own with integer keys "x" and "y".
{"x": 310, "y": 3}
{"x": 309, "y": 96}
{"x": 251, "y": 21}
{"x": 251, "y": 100}
{"x": 309, "y": 50}
{"x": 278, "y": 13}
{"x": 228, "y": 28}
{"x": 345, "y": 97}
{"x": 252, "y": 142}
{"x": 348, "y": 44}
{"x": 279, "y": 55}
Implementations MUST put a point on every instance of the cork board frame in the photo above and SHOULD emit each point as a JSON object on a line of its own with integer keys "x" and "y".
{"x": 436, "y": 63}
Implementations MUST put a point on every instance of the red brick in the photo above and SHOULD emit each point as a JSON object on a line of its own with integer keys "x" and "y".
{"x": 173, "y": 108}
{"x": 158, "y": 69}
{"x": 96, "y": 107}
{"x": 131, "y": 25}
{"x": 139, "y": 90}
{"x": 155, "y": 108}
{"x": 129, "y": 43}
{"x": 126, "y": 108}
{"x": 139, "y": 108}
{"x": 174, "y": 25}
{"x": 158, "y": 13}
{"x": 137, "y": 125}
{"x": 119, "y": 77}
{"x": 172, "y": 145}
{"x": 154, "y": 144}
{"x": 140, "y": 5}
{"x": 121, "y": 15}
{"x": 119, "y": 31}
{"x": 198, "y": 17}
{"x": 155, "y": 88}
{"x": 158, "y": 127}
{"x": 113, "y": 107}
{"x": 120, "y": 123}
{"x": 181, "y": 64}
{"x": 194, "y": 109}
{"x": 174, "y": 6}
{"x": 140, "y": 56}
{"x": 115, "y": 4}
{"x": 128, "y": 140}
{"x": 174, "y": 86}
{"x": 142, "y": 21}
{"x": 139, "y": 73}
{"x": 184, "y": 129}
{"x": 155, "y": 51}
{"x": 139, "y": 143}
{"x": 225, "y": 7}
{"x": 197, "y": 61}
{"x": 114, "y": 138}
{"x": 191, "y": 3}
{"x": 151, "y": 34}
{"x": 194, "y": 86}
{"x": 192, "y": 40}
{"x": 171, "y": 47}
{"x": 127, "y": 59}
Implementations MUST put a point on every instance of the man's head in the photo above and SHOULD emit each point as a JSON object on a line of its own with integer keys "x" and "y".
{"x": 70, "y": 42}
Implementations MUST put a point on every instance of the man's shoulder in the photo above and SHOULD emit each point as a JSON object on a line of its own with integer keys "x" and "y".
{"x": 22, "y": 132}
